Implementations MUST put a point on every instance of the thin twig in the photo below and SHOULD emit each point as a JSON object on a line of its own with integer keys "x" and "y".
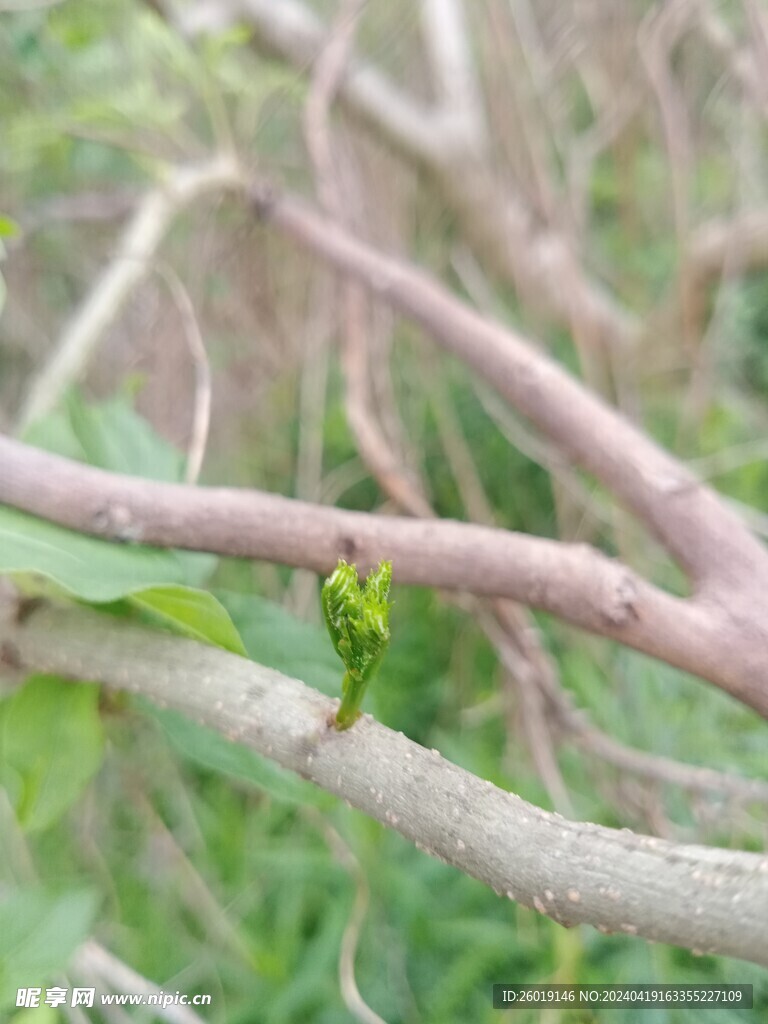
{"x": 497, "y": 220}
{"x": 351, "y": 937}
{"x": 447, "y": 40}
{"x": 97, "y": 964}
{"x": 510, "y": 621}
{"x": 661, "y": 492}
{"x": 201, "y": 408}
{"x": 326, "y": 77}
{"x": 130, "y": 264}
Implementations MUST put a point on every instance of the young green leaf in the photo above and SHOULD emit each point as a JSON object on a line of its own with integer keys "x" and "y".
{"x": 358, "y": 623}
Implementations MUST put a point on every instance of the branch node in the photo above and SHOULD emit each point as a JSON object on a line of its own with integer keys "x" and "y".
{"x": 262, "y": 197}
{"x": 116, "y": 522}
{"x": 349, "y": 547}
{"x": 27, "y": 606}
{"x": 621, "y": 608}
{"x": 9, "y": 656}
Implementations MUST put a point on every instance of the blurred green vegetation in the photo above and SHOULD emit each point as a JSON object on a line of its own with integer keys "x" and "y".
{"x": 199, "y": 865}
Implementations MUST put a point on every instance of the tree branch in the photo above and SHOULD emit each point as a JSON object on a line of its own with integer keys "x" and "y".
{"x": 711, "y": 543}
{"x": 501, "y": 227}
{"x": 715, "y": 901}
{"x": 573, "y": 581}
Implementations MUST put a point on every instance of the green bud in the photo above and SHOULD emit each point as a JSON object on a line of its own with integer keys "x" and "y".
{"x": 358, "y": 623}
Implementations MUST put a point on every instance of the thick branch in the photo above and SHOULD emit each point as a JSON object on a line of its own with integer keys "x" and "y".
{"x": 707, "y": 899}
{"x": 690, "y": 520}
{"x": 573, "y": 581}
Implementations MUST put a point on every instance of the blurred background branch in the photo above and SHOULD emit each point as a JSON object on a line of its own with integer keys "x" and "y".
{"x": 229, "y": 227}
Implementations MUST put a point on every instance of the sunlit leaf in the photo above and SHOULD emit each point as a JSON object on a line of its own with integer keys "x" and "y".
{"x": 210, "y": 749}
{"x": 195, "y": 613}
{"x": 91, "y": 569}
{"x": 275, "y": 638}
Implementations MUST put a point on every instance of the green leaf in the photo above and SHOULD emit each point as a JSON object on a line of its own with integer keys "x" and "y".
{"x": 358, "y": 623}
{"x": 274, "y": 637}
{"x": 194, "y": 613}
{"x": 39, "y": 932}
{"x": 54, "y": 433}
{"x": 38, "y": 1015}
{"x": 341, "y": 600}
{"x": 112, "y": 436}
{"x": 91, "y": 569}
{"x": 116, "y": 438}
{"x": 51, "y": 746}
{"x": 210, "y": 749}
{"x": 358, "y": 617}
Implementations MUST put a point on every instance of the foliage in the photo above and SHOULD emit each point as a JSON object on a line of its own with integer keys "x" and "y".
{"x": 255, "y": 836}
{"x": 192, "y": 858}
{"x": 39, "y": 930}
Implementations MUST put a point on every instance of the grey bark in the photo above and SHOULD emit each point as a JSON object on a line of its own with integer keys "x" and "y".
{"x": 706, "y": 899}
